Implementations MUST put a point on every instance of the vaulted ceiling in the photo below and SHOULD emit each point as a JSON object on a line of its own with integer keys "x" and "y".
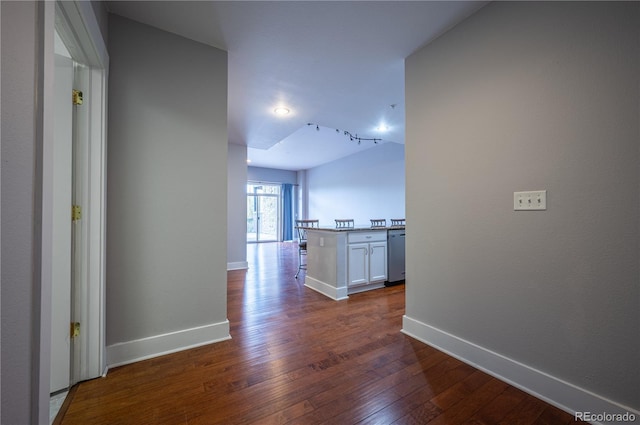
{"x": 336, "y": 64}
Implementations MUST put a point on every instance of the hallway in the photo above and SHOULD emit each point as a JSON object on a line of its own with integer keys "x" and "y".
{"x": 298, "y": 357}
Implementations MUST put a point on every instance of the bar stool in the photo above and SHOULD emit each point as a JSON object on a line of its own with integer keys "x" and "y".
{"x": 396, "y": 222}
{"x": 378, "y": 222}
{"x": 344, "y": 223}
{"x": 301, "y": 227}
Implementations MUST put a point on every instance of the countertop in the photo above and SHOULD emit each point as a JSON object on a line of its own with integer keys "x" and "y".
{"x": 356, "y": 228}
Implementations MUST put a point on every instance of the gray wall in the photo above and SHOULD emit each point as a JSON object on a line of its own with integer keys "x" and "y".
{"x": 167, "y": 183}
{"x": 362, "y": 186}
{"x": 528, "y": 96}
{"x": 102, "y": 16}
{"x": 237, "y": 215}
{"x": 271, "y": 175}
{"x": 20, "y": 214}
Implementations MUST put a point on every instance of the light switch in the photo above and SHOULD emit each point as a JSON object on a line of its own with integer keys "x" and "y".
{"x": 533, "y": 200}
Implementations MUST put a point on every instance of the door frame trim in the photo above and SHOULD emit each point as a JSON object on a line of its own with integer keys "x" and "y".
{"x": 79, "y": 29}
{"x": 76, "y": 22}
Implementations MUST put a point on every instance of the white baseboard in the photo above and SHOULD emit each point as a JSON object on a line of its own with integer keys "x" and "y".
{"x": 364, "y": 288}
{"x": 238, "y": 265}
{"x": 326, "y": 289}
{"x": 141, "y": 349}
{"x": 552, "y": 390}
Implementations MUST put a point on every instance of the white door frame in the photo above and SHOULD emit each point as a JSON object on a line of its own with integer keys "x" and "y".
{"x": 61, "y": 232}
{"x": 77, "y": 25}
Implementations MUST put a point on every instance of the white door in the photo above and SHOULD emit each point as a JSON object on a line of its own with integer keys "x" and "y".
{"x": 377, "y": 261}
{"x": 358, "y": 266}
{"x": 61, "y": 232}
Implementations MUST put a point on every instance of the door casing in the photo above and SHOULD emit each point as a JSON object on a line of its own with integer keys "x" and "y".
{"x": 77, "y": 25}
{"x": 61, "y": 261}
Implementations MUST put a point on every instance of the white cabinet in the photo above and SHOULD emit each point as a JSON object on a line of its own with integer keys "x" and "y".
{"x": 366, "y": 257}
{"x": 344, "y": 262}
{"x": 358, "y": 266}
{"x": 377, "y": 261}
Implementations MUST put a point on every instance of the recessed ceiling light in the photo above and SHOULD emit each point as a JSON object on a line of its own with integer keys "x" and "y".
{"x": 382, "y": 128}
{"x": 248, "y": 161}
{"x": 281, "y": 111}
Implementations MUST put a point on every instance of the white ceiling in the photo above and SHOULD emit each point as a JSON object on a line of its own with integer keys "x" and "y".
{"x": 336, "y": 64}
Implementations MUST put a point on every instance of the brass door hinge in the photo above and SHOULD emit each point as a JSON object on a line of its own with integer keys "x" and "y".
{"x": 76, "y": 212}
{"x": 77, "y": 97}
{"x": 75, "y": 329}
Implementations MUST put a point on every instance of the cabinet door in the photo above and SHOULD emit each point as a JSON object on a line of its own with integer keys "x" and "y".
{"x": 358, "y": 264}
{"x": 377, "y": 261}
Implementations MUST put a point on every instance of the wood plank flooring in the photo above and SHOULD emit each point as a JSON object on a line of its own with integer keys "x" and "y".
{"x": 297, "y": 357}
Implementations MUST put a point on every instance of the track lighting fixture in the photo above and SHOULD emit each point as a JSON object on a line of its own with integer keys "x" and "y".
{"x": 351, "y": 136}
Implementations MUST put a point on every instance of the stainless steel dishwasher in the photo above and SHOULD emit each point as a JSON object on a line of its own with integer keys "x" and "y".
{"x": 395, "y": 255}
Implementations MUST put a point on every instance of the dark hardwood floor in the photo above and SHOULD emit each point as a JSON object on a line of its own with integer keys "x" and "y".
{"x": 298, "y": 357}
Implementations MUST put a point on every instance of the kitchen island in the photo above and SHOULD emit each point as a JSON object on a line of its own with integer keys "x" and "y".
{"x": 343, "y": 261}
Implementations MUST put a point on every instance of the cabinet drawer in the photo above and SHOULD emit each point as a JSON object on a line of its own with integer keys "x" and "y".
{"x": 374, "y": 236}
